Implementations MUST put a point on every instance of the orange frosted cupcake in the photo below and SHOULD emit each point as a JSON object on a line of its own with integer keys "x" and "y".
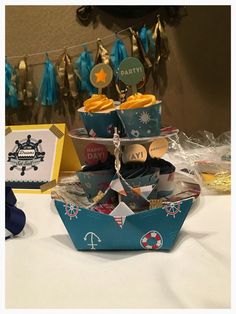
{"x": 140, "y": 115}
{"x": 99, "y": 116}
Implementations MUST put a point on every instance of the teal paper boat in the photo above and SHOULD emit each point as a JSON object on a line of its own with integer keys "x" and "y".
{"x": 154, "y": 229}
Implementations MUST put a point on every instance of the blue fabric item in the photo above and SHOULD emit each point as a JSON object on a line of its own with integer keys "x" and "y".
{"x": 10, "y": 90}
{"x": 118, "y": 53}
{"x": 148, "y": 43}
{"x": 84, "y": 65}
{"x": 14, "y": 217}
{"x": 48, "y": 90}
{"x": 143, "y": 38}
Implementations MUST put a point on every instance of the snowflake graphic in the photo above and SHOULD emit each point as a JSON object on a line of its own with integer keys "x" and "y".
{"x": 71, "y": 210}
{"x": 135, "y": 133}
{"x": 144, "y": 117}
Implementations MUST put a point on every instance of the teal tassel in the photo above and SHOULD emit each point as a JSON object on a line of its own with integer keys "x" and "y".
{"x": 10, "y": 88}
{"x": 48, "y": 90}
{"x": 148, "y": 43}
{"x": 118, "y": 54}
{"x": 83, "y": 67}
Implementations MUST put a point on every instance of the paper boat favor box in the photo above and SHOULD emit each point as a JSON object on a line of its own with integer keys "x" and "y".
{"x": 154, "y": 229}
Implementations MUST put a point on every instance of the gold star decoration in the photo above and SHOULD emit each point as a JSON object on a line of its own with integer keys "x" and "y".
{"x": 101, "y": 76}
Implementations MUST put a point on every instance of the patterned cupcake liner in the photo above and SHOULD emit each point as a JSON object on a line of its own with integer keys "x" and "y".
{"x": 100, "y": 124}
{"x": 141, "y": 122}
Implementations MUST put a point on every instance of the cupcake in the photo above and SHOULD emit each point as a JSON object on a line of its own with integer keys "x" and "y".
{"x": 140, "y": 116}
{"x": 99, "y": 116}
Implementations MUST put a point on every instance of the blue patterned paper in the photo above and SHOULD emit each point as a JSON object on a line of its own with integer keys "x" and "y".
{"x": 141, "y": 122}
{"x": 155, "y": 229}
{"x": 100, "y": 124}
{"x": 95, "y": 181}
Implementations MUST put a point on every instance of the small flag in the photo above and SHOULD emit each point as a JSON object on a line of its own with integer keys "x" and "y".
{"x": 143, "y": 191}
{"x": 117, "y": 186}
{"x": 120, "y": 212}
{"x": 119, "y": 220}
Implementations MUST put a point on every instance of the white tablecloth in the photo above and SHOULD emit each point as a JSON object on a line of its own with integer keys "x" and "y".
{"x": 43, "y": 269}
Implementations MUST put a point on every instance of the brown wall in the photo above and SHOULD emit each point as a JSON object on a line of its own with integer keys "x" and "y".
{"x": 198, "y": 92}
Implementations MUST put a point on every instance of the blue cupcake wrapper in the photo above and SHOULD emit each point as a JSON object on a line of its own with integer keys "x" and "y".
{"x": 141, "y": 122}
{"x": 101, "y": 124}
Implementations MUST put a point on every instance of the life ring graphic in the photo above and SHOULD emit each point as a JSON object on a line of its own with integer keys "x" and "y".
{"x": 151, "y": 240}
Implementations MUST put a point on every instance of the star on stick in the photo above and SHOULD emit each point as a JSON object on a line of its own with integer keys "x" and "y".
{"x": 100, "y": 76}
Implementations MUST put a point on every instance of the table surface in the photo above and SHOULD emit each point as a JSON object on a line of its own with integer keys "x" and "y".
{"x": 44, "y": 270}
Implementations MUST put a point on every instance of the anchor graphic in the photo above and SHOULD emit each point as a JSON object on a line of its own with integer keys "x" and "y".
{"x": 92, "y": 235}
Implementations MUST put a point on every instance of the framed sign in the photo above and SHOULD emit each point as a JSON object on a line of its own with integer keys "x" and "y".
{"x": 35, "y": 154}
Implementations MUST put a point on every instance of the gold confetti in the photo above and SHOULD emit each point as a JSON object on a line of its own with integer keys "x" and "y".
{"x": 155, "y": 203}
{"x": 98, "y": 197}
{"x": 221, "y": 182}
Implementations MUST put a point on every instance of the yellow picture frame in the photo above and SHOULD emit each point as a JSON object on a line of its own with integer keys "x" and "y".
{"x": 61, "y": 160}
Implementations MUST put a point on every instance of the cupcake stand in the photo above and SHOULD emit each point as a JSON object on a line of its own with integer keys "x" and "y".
{"x": 136, "y": 208}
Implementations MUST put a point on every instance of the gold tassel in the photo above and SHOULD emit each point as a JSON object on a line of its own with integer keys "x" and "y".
{"x": 161, "y": 56}
{"x": 161, "y": 41}
{"x": 137, "y": 50}
{"x": 71, "y": 77}
{"x": 61, "y": 70}
{"x": 66, "y": 76}
{"x": 102, "y": 55}
{"x": 25, "y": 88}
{"x": 22, "y": 70}
{"x": 30, "y": 93}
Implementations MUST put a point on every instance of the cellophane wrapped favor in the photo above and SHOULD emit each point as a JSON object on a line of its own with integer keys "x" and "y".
{"x": 204, "y": 156}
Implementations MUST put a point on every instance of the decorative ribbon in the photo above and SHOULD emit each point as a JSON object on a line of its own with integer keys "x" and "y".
{"x": 14, "y": 218}
{"x": 48, "y": 90}
{"x": 66, "y": 76}
{"x": 148, "y": 43}
{"x": 10, "y": 87}
{"x": 83, "y": 67}
{"x": 161, "y": 40}
{"x": 102, "y": 55}
{"x": 25, "y": 87}
{"x": 117, "y": 150}
{"x": 137, "y": 49}
{"x": 118, "y": 54}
